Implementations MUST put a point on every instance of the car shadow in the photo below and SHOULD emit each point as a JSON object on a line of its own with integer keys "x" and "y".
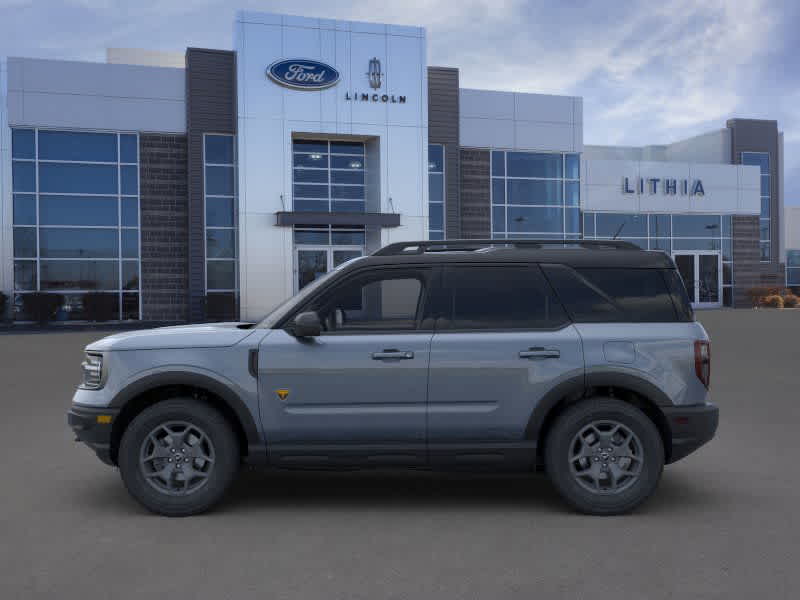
{"x": 391, "y": 490}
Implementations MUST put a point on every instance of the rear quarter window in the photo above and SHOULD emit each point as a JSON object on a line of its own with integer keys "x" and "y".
{"x": 600, "y": 295}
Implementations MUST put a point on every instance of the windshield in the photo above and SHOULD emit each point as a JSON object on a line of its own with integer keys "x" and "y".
{"x": 287, "y": 305}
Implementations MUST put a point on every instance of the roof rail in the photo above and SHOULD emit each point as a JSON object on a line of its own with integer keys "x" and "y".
{"x": 423, "y": 246}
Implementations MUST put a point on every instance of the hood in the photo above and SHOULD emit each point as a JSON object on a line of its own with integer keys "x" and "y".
{"x": 207, "y": 335}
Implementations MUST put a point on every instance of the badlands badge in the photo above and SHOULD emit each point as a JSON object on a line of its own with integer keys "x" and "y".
{"x": 282, "y": 394}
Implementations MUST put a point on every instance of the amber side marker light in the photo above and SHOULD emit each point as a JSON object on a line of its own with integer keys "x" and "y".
{"x": 702, "y": 361}
{"x": 104, "y": 419}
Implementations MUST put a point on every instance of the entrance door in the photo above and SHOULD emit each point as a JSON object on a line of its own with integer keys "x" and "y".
{"x": 702, "y": 274}
{"x": 314, "y": 261}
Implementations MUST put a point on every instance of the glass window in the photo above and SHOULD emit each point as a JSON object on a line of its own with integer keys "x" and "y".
{"x": 77, "y": 146}
{"x": 347, "y": 206}
{"x": 531, "y": 191}
{"x": 535, "y": 219}
{"x": 572, "y": 193}
{"x": 572, "y": 221}
{"x": 499, "y": 298}
{"x": 310, "y": 191}
{"x": 312, "y": 205}
{"x": 130, "y": 275}
{"x": 660, "y": 226}
{"x": 345, "y": 162}
{"x": 130, "y": 243}
{"x": 621, "y": 225}
{"x": 765, "y": 250}
{"x": 498, "y": 163}
{"x": 573, "y": 166}
{"x": 764, "y": 229}
{"x": 23, "y": 176}
{"x": 219, "y": 149}
{"x": 312, "y": 237}
{"x": 347, "y": 148}
{"x": 221, "y": 275}
{"x": 128, "y": 148}
{"x": 130, "y": 307}
{"x": 220, "y": 243}
{"x": 498, "y": 219}
{"x": 793, "y": 258}
{"x": 727, "y": 249}
{"x": 351, "y": 177}
{"x": 319, "y": 161}
{"x": 348, "y": 238}
{"x": 373, "y": 303}
{"x": 435, "y": 158}
{"x": 23, "y": 143}
{"x": 498, "y": 191}
{"x": 663, "y": 244}
{"x": 129, "y": 176}
{"x": 696, "y": 244}
{"x": 219, "y": 181}
{"x": 55, "y": 242}
{"x": 77, "y": 210}
{"x": 765, "y": 207}
{"x": 436, "y": 187}
{"x": 727, "y": 225}
{"x": 612, "y": 294}
{"x": 311, "y": 175}
{"x": 219, "y": 212}
{"x": 765, "y": 191}
{"x": 67, "y": 178}
{"x": 79, "y": 275}
{"x": 436, "y": 217}
{"x": 24, "y": 209}
{"x": 696, "y": 225}
{"x": 347, "y": 192}
{"x": 530, "y": 164}
{"x": 130, "y": 212}
{"x": 25, "y": 242}
{"x": 25, "y": 275}
{"x": 312, "y": 146}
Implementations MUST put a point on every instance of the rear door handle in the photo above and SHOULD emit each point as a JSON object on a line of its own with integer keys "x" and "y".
{"x": 539, "y": 353}
{"x": 393, "y": 354}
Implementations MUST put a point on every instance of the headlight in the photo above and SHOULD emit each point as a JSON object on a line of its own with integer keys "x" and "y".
{"x": 92, "y": 367}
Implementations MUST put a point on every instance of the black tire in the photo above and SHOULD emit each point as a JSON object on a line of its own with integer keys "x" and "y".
{"x": 151, "y": 491}
{"x": 563, "y": 440}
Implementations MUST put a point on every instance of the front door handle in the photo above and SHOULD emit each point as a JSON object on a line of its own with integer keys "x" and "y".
{"x": 538, "y": 353}
{"x": 393, "y": 354}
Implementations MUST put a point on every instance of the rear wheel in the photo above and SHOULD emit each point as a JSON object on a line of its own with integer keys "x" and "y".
{"x": 604, "y": 456}
{"x": 178, "y": 457}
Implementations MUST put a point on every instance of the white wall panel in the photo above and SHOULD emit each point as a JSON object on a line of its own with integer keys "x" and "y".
{"x": 540, "y": 135}
{"x": 486, "y": 133}
{"x": 486, "y": 104}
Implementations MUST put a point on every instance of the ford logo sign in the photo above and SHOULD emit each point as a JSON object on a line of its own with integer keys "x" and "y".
{"x": 303, "y": 74}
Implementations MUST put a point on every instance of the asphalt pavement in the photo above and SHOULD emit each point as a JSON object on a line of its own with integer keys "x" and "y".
{"x": 724, "y": 522}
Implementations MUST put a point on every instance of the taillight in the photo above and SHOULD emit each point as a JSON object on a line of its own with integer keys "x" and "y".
{"x": 702, "y": 361}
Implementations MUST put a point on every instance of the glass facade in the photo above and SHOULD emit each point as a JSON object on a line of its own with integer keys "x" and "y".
{"x": 328, "y": 176}
{"x": 219, "y": 158}
{"x": 761, "y": 160}
{"x": 535, "y": 195}
{"x": 436, "y": 192}
{"x": 76, "y": 220}
{"x": 793, "y": 268}
{"x": 669, "y": 233}
{"x": 320, "y": 248}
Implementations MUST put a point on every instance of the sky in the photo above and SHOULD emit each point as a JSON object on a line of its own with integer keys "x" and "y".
{"x": 649, "y": 72}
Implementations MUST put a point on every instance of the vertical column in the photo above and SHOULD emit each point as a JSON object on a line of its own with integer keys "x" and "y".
{"x": 443, "y": 128}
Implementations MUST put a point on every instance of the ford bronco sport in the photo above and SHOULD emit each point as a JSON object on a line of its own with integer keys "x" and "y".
{"x": 582, "y": 358}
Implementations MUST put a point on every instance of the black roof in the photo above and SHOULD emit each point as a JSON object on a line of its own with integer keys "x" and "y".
{"x": 575, "y": 253}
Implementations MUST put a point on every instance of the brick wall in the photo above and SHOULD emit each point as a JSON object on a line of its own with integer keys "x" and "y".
{"x": 164, "y": 198}
{"x": 476, "y": 219}
{"x": 748, "y": 271}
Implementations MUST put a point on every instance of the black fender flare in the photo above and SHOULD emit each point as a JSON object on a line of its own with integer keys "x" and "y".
{"x": 256, "y": 448}
{"x": 577, "y": 387}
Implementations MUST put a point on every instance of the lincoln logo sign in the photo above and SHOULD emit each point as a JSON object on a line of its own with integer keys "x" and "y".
{"x": 302, "y": 74}
{"x": 667, "y": 186}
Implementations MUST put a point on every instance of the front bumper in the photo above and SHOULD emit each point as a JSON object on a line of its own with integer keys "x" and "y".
{"x": 691, "y": 426}
{"x": 83, "y": 420}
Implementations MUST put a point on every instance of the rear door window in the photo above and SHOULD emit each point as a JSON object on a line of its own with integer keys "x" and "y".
{"x": 498, "y": 297}
{"x": 597, "y": 295}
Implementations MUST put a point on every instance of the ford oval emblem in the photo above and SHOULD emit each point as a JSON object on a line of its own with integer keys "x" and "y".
{"x": 303, "y": 74}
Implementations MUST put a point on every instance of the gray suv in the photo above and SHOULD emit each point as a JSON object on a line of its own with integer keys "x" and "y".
{"x": 580, "y": 358}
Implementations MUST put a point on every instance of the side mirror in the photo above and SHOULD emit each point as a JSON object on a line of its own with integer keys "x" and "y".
{"x": 307, "y": 324}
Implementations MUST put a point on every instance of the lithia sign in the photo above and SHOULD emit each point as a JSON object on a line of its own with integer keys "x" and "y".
{"x": 667, "y": 186}
{"x": 306, "y": 74}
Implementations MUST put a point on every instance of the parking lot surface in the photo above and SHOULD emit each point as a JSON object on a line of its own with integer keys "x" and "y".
{"x": 724, "y": 523}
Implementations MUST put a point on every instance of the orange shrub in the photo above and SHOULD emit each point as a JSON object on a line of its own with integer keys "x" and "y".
{"x": 773, "y": 301}
{"x": 790, "y": 301}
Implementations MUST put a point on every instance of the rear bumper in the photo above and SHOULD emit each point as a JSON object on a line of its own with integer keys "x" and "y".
{"x": 83, "y": 422}
{"x": 691, "y": 426}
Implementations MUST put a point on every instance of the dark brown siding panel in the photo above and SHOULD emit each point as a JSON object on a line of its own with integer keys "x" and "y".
{"x": 164, "y": 226}
{"x": 475, "y": 200}
{"x": 746, "y": 253}
{"x": 443, "y": 129}
{"x": 210, "y": 108}
{"x": 754, "y": 135}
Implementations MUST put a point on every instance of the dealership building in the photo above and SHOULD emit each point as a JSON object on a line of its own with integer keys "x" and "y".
{"x": 213, "y": 184}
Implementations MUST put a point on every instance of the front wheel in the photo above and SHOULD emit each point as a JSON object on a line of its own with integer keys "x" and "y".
{"x": 604, "y": 456}
{"x": 178, "y": 457}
